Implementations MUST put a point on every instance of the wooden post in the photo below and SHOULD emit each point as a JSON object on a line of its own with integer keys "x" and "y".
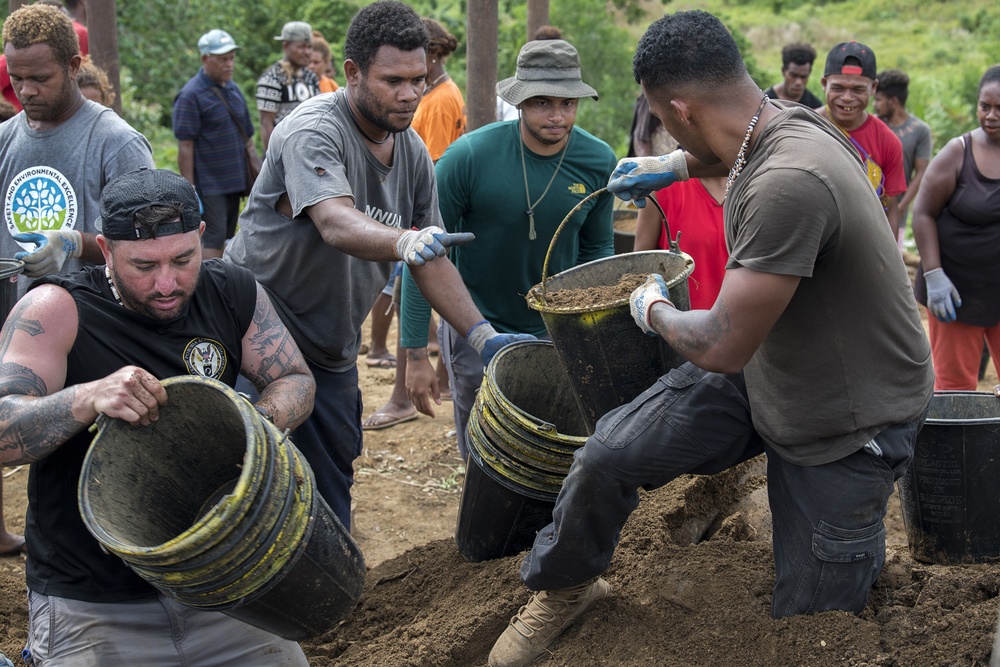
{"x": 481, "y": 63}
{"x": 538, "y": 15}
{"x": 102, "y": 29}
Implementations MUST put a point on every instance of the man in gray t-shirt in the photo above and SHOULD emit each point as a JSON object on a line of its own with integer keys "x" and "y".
{"x": 346, "y": 189}
{"x": 913, "y": 133}
{"x": 56, "y": 156}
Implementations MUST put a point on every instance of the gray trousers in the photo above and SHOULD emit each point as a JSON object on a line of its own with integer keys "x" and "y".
{"x": 829, "y": 538}
{"x": 152, "y": 632}
{"x": 465, "y": 373}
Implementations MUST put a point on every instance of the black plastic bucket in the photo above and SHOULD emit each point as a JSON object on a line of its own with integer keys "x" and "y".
{"x": 609, "y": 359}
{"x": 10, "y": 269}
{"x": 949, "y": 498}
{"x": 523, "y": 431}
{"x": 214, "y": 506}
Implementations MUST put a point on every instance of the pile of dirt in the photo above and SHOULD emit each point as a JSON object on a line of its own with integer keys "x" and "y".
{"x": 589, "y": 297}
{"x": 675, "y": 602}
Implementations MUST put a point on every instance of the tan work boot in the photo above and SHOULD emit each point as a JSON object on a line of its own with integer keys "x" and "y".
{"x": 540, "y": 622}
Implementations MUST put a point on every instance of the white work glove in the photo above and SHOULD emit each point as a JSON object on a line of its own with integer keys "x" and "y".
{"x": 485, "y": 340}
{"x": 635, "y": 178}
{"x": 942, "y": 297}
{"x": 53, "y": 249}
{"x": 417, "y": 247}
{"x": 654, "y": 290}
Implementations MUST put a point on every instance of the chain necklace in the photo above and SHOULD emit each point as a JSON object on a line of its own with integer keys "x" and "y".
{"x": 363, "y": 133}
{"x": 741, "y": 160}
{"x": 435, "y": 82}
{"x": 532, "y": 235}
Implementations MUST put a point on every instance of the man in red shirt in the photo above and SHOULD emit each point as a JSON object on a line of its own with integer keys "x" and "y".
{"x": 849, "y": 81}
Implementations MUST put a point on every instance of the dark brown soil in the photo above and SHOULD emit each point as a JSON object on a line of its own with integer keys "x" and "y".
{"x": 589, "y": 298}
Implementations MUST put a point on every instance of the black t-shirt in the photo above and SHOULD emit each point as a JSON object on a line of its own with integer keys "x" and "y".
{"x": 808, "y": 99}
{"x": 206, "y": 339}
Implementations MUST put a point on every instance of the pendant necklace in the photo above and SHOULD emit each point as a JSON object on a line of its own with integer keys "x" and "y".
{"x": 741, "y": 160}
{"x": 363, "y": 133}
{"x": 532, "y": 235}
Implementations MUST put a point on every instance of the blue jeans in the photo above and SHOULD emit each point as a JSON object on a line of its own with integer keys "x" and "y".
{"x": 829, "y": 540}
{"x": 330, "y": 439}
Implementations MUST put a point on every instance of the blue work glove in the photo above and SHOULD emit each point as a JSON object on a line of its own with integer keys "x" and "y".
{"x": 487, "y": 342}
{"x": 52, "y": 250}
{"x": 654, "y": 290}
{"x": 942, "y": 297}
{"x": 417, "y": 247}
{"x": 635, "y": 178}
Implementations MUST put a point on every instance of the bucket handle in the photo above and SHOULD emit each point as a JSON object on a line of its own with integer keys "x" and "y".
{"x": 673, "y": 247}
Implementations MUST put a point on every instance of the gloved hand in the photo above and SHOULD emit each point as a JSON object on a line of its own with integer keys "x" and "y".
{"x": 53, "y": 249}
{"x": 417, "y": 247}
{"x": 942, "y": 297}
{"x": 487, "y": 342}
{"x": 637, "y": 177}
{"x": 654, "y": 290}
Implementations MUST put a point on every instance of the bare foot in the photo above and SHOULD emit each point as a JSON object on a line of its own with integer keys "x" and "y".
{"x": 389, "y": 415}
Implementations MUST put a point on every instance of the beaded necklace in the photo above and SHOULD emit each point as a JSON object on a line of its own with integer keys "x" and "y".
{"x": 741, "y": 160}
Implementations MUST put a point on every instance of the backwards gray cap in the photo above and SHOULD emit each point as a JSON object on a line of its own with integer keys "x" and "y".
{"x": 545, "y": 68}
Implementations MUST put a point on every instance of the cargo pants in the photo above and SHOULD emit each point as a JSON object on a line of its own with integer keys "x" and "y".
{"x": 828, "y": 538}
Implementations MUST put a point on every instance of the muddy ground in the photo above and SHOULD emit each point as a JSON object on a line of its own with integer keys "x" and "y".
{"x": 692, "y": 578}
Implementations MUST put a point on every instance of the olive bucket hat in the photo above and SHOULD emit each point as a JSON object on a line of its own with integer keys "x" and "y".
{"x": 545, "y": 68}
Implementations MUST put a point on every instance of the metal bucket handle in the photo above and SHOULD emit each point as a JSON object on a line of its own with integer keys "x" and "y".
{"x": 673, "y": 246}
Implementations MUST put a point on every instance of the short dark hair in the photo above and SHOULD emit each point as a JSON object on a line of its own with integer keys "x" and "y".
{"x": 383, "y": 23}
{"x": 992, "y": 75}
{"x": 547, "y": 32}
{"x": 799, "y": 53}
{"x": 691, "y": 47}
{"x": 42, "y": 24}
{"x": 894, "y": 83}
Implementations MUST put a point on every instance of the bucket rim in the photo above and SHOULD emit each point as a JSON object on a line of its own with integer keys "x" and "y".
{"x": 975, "y": 421}
{"x": 535, "y": 303}
{"x": 224, "y": 510}
{"x": 10, "y": 267}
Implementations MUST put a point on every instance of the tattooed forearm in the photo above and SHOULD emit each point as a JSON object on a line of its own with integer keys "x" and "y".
{"x": 289, "y": 400}
{"x": 32, "y": 428}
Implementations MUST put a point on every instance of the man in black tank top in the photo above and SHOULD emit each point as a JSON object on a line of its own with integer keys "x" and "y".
{"x": 99, "y": 342}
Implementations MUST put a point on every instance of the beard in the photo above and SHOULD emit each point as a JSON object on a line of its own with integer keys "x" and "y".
{"x": 375, "y": 112}
{"x": 48, "y": 112}
{"x": 133, "y": 301}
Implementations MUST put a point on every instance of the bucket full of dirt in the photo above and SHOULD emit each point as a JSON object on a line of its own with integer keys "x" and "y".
{"x": 951, "y": 508}
{"x": 585, "y": 309}
{"x": 215, "y": 507}
{"x": 523, "y": 432}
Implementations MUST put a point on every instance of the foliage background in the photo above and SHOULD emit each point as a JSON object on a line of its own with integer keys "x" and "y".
{"x": 944, "y": 45}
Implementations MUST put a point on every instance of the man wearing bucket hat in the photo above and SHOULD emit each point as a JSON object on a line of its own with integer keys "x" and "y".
{"x": 799, "y": 357}
{"x": 540, "y": 167}
{"x": 349, "y": 192}
{"x": 289, "y": 82}
{"x": 98, "y": 342}
{"x": 214, "y": 134}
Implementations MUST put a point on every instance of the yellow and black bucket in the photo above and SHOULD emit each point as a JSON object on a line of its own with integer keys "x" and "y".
{"x": 214, "y": 506}
{"x": 523, "y": 431}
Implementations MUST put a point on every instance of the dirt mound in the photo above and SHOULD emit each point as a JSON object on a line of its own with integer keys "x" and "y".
{"x": 675, "y": 603}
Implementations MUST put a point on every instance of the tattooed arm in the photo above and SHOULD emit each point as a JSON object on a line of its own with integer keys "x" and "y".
{"x": 724, "y": 338}
{"x": 273, "y": 362}
{"x": 37, "y": 413}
